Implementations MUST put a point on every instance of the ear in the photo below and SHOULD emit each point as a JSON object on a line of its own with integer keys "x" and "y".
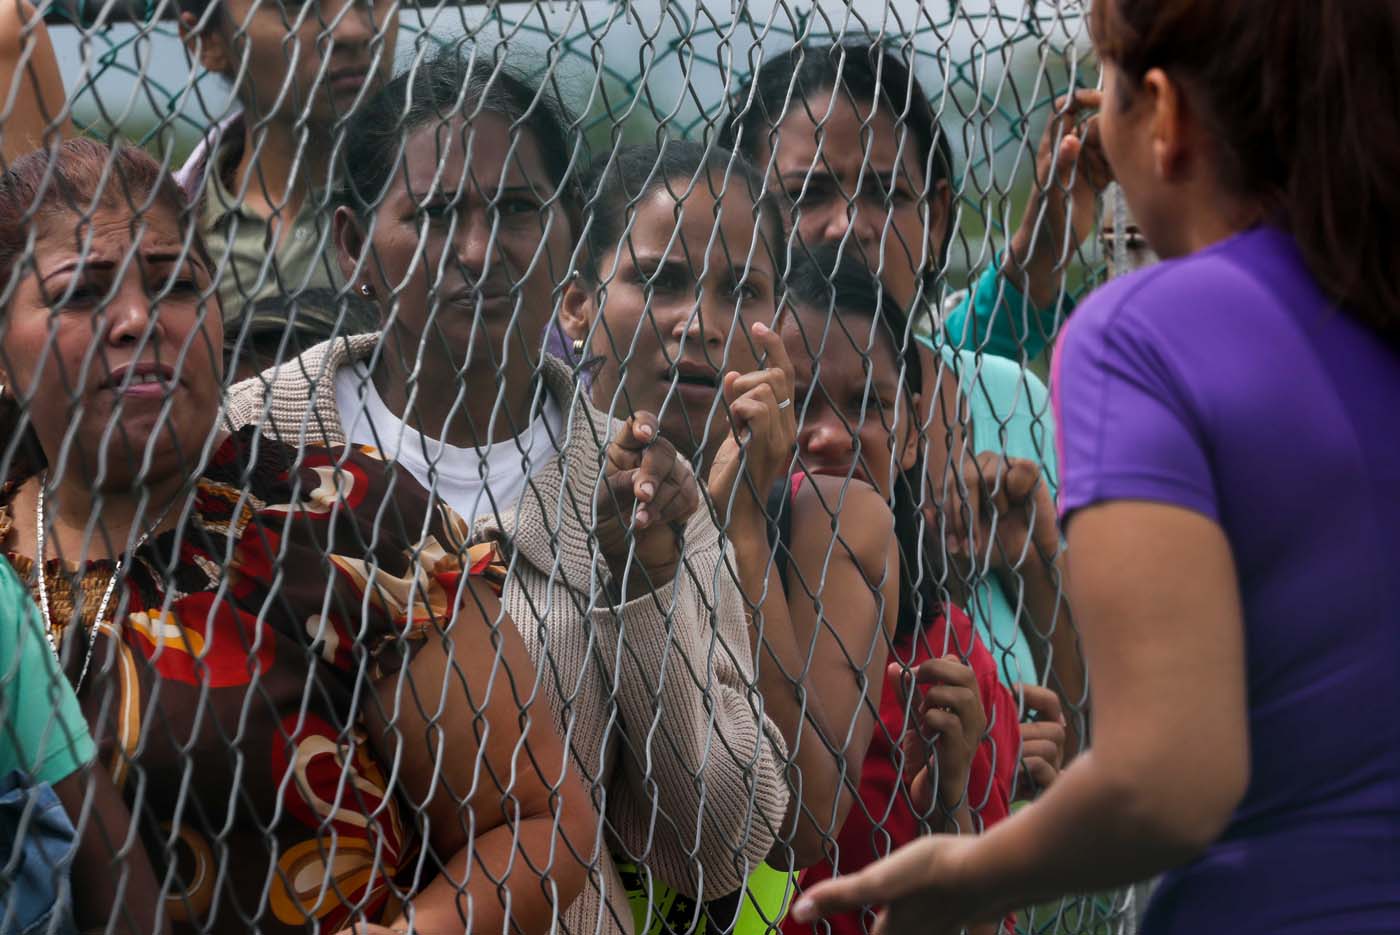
{"x": 912, "y": 435}
{"x": 1168, "y": 112}
{"x": 350, "y": 244}
{"x": 205, "y": 41}
{"x": 940, "y": 215}
{"x": 578, "y": 308}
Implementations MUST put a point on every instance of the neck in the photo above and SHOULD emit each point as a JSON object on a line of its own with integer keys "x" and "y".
{"x": 116, "y": 516}
{"x": 1205, "y": 216}
{"x": 276, "y": 168}
{"x": 464, "y": 410}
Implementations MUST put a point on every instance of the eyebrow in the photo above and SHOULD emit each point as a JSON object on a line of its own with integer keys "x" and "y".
{"x": 826, "y": 175}
{"x": 653, "y": 263}
{"x": 179, "y": 256}
{"x": 491, "y": 194}
{"x": 80, "y": 262}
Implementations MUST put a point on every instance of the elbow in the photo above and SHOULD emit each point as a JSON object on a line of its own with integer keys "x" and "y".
{"x": 816, "y": 818}
{"x": 577, "y": 840}
{"x": 805, "y": 847}
{"x": 1181, "y": 811}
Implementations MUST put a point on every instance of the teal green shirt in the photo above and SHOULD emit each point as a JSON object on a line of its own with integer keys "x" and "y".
{"x": 995, "y": 318}
{"x": 42, "y": 730}
{"x": 1009, "y": 413}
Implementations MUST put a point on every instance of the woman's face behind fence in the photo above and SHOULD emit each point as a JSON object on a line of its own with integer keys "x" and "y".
{"x": 113, "y": 338}
{"x": 845, "y": 173}
{"x": 853, "y": 418}
{"x": 321, "y": 53}
{"x": 681, "y": 292}
{"x": 470, "y": 239}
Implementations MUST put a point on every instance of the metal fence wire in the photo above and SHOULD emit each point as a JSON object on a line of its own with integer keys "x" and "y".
{"x": 575, "y": 466}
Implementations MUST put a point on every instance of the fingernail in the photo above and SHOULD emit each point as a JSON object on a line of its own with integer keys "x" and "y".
{"x": 804, "y": 911}
{"x": 761, "y": 329}
{"x": 644, "y": 430}
{"x": 647, "y": 489}
{"x": 642, "y": 517}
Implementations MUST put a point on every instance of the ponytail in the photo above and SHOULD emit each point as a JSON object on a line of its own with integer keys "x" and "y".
{"x": 1303, "y": 99}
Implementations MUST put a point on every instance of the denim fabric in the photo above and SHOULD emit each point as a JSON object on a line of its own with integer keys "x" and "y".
{"x": 36, "y": 845}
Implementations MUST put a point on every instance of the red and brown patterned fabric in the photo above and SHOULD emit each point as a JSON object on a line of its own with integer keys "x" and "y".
{"x": 224, "y": 699}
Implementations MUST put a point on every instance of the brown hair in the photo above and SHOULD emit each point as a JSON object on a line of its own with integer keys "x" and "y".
{"x": 1302, "y": 97}
{"x": 76, "y": 178}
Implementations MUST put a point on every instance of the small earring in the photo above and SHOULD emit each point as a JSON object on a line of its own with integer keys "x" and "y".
{"x": 578, "y": 347}
{"x": 366, "y": 290}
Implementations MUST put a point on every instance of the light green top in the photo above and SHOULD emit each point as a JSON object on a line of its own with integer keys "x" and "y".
{"x": 238, "y": 238}
{"x": 1009, "y": 413}
{"x": 42, "y": 731}
{"x": 993, "y": 317}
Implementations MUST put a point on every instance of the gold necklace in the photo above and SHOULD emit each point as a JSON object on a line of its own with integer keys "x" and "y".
{"x": 106, "y": 595}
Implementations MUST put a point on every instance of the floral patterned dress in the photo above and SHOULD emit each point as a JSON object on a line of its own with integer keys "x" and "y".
{"x": 224, "y": 699}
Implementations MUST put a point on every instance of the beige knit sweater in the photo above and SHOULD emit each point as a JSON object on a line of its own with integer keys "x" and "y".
{"x": 655, "y": 696}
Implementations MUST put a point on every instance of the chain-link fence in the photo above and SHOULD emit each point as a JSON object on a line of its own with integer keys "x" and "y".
{"x": 518, "y": 467}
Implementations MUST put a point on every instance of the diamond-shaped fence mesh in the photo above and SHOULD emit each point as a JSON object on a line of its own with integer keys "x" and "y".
{"x": 524, "y": 467}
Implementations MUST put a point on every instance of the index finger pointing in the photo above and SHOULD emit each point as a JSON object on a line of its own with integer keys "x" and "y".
{"x": 774, "y": 350}
{"x": 843, "y": 894}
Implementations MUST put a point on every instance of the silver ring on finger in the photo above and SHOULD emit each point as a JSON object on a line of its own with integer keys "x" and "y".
{"x": 784, "y": 404}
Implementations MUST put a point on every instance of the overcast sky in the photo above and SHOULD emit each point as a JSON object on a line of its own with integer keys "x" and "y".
{"x": 680, "y": 45}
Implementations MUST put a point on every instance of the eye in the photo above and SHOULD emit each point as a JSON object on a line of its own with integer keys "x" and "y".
{"x": 746, "y": 290}
{"x": 76, "y": 294}
{"x": 437, "y": 211}
{"x": 513, "y": 206}
{"x": 816, "y": 191}
{"x": 669, "y": 279}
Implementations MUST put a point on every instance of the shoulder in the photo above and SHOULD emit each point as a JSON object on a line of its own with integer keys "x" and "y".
{"x": 14, "y": 601}
{"x": 290, "y": 389}
{"x": 1194, "y": 300}
{"x": 849, "y": 511}
{"x": 190, "y": 176}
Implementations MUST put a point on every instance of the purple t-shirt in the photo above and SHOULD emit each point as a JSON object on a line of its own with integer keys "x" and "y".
{"x": 1226, "y": 383}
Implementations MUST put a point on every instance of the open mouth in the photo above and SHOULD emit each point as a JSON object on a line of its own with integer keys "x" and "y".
{"x": 146, "y": 379}
{"x": 694, "y": 377}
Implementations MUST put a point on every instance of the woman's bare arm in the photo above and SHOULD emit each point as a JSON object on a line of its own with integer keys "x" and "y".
{"x": 33, "y": 103}
{"x": 113, "y": 883}
{"x": 831, "y": 629}
{"x": 478, "y": 754}
{"x": 1158, "y": 604}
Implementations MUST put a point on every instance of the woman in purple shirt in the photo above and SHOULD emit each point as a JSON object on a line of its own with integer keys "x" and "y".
{"x": 1230, "y": 469}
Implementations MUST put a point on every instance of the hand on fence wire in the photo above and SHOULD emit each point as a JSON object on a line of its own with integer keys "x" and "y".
{"x": 1071, "y": 172}
{"x": 764, "y": 428}
{"x": 1043, "y": 740}
{"x": 948, "y": 722}
{"x": 648, "y": 493}
{"x": 1008, "y": 511}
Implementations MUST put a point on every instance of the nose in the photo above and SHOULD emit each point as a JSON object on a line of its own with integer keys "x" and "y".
{"x": 704, "y": 324}
{"x": 823, "y": 436}
{"x": 129, "y": 316}
{"x": 853, "y": 220}
{"x": 352, "y": 24}
{"x": 473, "y": 243}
